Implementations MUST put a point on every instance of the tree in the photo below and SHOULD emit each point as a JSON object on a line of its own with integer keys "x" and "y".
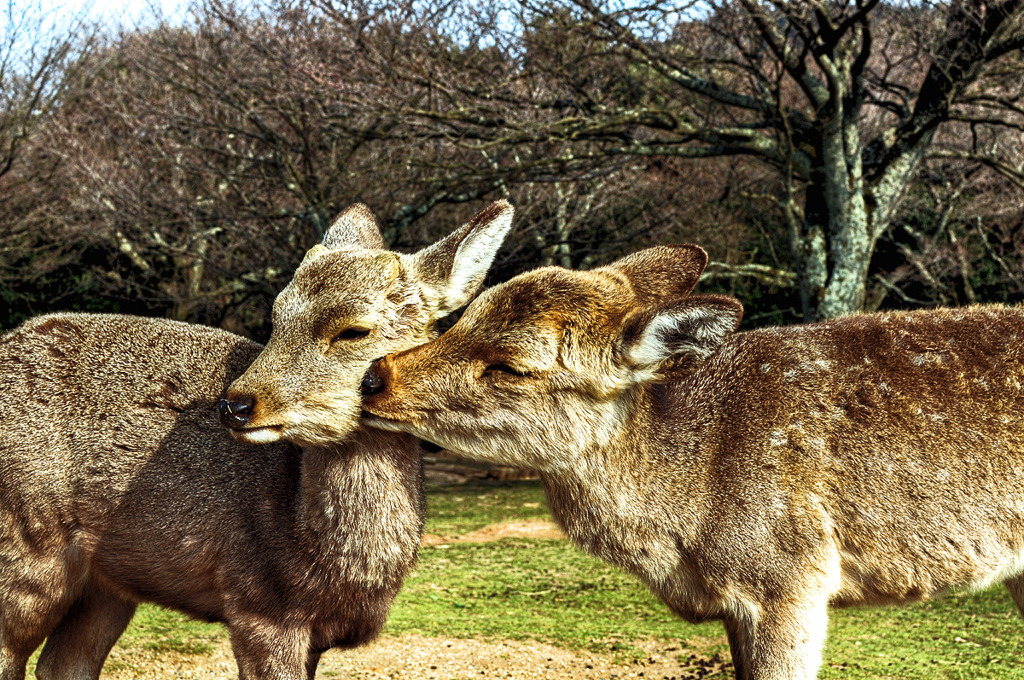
{"x": 200, "y": 161}
{"x": 206, "y": 159}
{"x": 37, "y": 66}
{"x": 42, "y": 67}
{"x": 844, "y": 99}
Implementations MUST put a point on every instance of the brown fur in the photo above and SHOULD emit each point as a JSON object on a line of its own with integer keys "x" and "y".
{"x": 328, "y": 323}
{"x": 118, "y": 485}
{"x": 755, "y": 477}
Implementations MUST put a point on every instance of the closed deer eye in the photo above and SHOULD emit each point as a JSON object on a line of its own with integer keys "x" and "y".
{"x": 495, "y": 369}
{"x": 350, "y": 334}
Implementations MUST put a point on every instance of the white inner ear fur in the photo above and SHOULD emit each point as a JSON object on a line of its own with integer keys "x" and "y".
{"x": 696, "y": 331}
{"x": 473, "y": 255}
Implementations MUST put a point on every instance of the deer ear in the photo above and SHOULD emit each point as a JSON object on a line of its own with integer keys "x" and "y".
{"x": 656, "y": 341}
{"x": 355, "y": 227}
{"x": 662, "y": 273}
{"x": 455, "y": 267}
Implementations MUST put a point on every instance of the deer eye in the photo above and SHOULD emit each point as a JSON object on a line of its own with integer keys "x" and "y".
{"x": 495, "y": 369}
{"x": 350, "y": 334}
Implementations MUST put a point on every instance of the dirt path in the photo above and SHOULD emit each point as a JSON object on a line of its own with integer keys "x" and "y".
{"x": 525, "y": 528}
{"x": 419, "y": 658}
{"x": 413, "y": 657}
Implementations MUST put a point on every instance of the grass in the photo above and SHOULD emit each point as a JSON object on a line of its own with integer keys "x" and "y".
{"x": 961, "y": 636}
{"x": 459, "y": 509}
{"x": 158, "y": 632}
{"x": 533, "y": 590}
{"x": 552, "y": 592}
{"x": 161, "y": 631}
{"x": 549, "y": 591}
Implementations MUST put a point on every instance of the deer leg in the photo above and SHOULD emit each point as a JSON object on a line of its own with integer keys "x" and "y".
{"x": 312, "y": 661}
{"x": 22, "y": 630}
{"x": 786, "y": 640}
{"x": 34, "y": 595}
{"x": 80, "y": 643}
{"x": 12, "y": 663}
{"x": 739, "y": 646}
{"x": 265, "y": 651}
{"x": 13, "y": 660}
{"x": 1015, "y": 585}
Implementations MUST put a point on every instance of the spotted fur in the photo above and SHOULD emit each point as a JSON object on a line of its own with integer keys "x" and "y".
{"x": 755, "y": 478}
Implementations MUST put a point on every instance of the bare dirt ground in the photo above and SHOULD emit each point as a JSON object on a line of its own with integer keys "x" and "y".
{"x": 526, "y": 528}
{"x": 414, "y": 657}
{"x": 418, "y": 658}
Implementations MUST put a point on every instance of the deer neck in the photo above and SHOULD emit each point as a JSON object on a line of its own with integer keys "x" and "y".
{"x": 633, "y": 499}
{"x": 362, "y": 507}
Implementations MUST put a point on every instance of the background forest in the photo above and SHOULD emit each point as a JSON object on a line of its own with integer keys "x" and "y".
{"x": 830, "y": 155}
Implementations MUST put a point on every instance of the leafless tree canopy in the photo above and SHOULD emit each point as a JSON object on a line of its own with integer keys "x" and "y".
{"x": 832, "y": 156}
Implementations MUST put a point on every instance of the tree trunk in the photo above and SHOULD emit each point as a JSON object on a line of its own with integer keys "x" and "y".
{"x": 833, "y": 251}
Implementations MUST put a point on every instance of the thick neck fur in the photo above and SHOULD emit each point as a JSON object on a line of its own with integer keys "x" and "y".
{"x": 614, "y": 502}
{"x": 357, "y": 510}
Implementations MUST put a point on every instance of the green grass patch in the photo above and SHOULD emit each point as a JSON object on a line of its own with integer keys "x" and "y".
{"x": 552, "y": 592}
{"x": 458, "y": 509}
{"x": 961, "y": 636}
{"x": 161, "y": 630}
{"x": 526, "y": 589}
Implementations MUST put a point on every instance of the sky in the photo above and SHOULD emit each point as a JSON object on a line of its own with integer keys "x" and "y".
{"x": 110, "y": 13}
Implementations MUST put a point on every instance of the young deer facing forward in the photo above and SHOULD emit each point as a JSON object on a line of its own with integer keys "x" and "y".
{"x": 755, "y": 477}
{"x": 118, "y": 485}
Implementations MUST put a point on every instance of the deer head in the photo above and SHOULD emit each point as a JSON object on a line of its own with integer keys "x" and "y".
{"x": 541, "y": 365}
{"x": 350, "y": 302}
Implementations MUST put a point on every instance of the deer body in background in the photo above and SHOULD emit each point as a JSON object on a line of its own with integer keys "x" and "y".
{"x": 119, "y": 485}
{"x": 757, "y": 477}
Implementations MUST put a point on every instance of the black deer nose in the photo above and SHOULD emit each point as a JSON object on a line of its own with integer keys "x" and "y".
{"x": 235, "y": 414}
{"x": 373, "y": 382}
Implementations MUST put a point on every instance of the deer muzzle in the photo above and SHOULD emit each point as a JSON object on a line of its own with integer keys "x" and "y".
{"x": 374, "y": 381}
{"x": 235, "y": 414}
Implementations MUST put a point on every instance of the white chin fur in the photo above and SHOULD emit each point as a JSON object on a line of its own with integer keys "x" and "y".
{"x": 385, "y": 424}
{"x": 262, "y": 435}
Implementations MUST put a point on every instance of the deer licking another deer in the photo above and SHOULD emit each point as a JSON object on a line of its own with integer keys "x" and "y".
{"x": 118, "y": 485}
{"x": 755, "y": 477}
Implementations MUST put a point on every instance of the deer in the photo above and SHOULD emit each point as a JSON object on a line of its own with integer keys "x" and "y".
{"x": 119, "y": 483}
{"x": 756, "y": 478}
